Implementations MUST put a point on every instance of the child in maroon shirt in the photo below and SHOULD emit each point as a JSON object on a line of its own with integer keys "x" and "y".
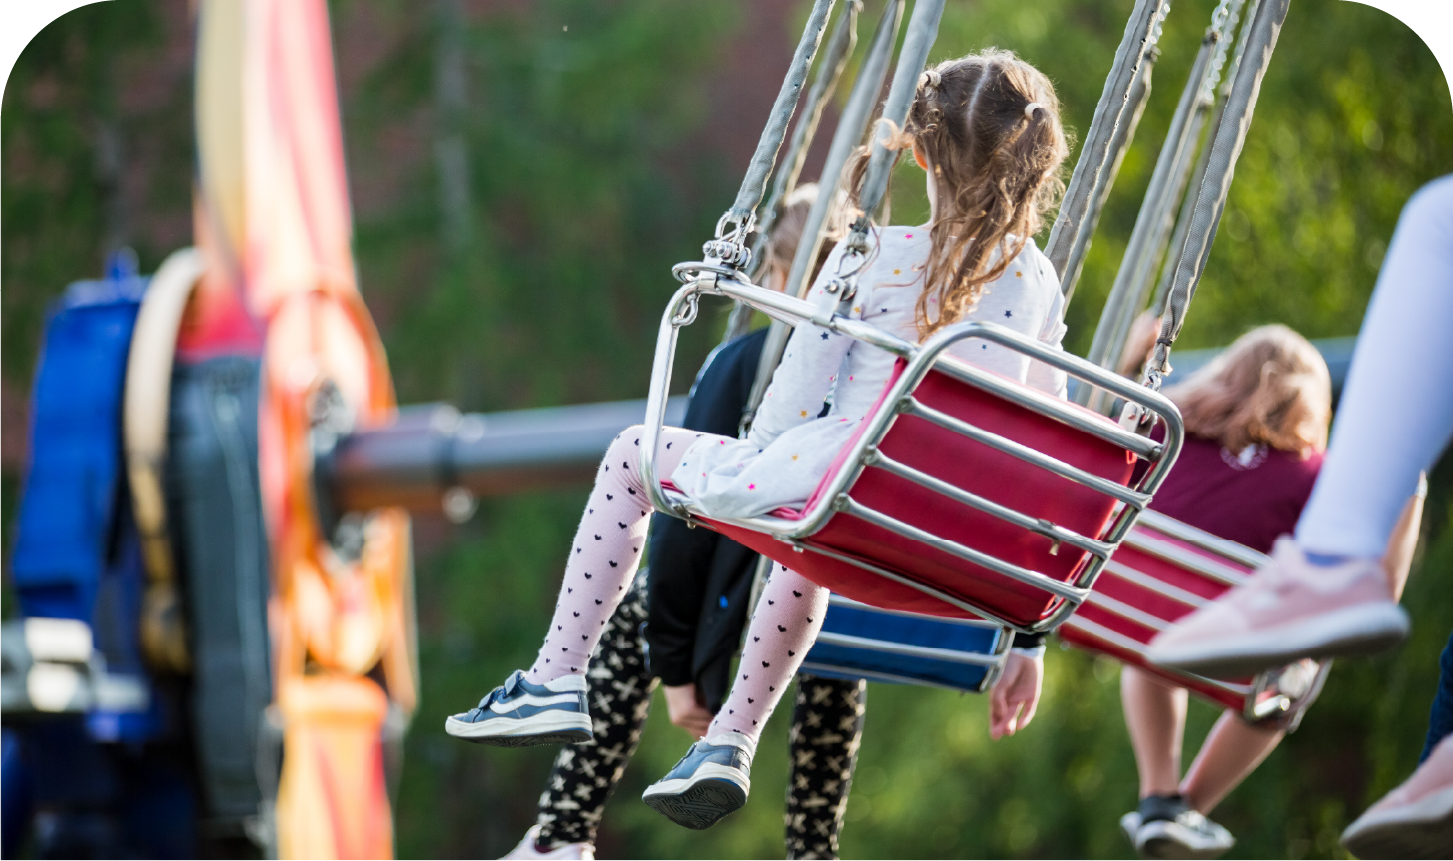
{"x": 1256, "y": 425}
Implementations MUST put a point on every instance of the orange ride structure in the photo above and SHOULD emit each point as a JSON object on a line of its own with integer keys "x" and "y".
{"x": 274, "y": 231}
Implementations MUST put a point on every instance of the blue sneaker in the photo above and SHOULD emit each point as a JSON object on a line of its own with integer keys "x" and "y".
{"x": 518, "y": 713}
{"x": 710, "y": 781}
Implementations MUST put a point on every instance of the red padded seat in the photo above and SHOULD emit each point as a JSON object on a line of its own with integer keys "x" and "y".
{"x": 974, "y": 467}
{"x": 1151, "y": 582}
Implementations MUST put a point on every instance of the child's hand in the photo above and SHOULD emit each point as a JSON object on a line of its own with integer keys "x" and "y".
{"x": 1013, "y": 700}
{"x": 686, "y": 709}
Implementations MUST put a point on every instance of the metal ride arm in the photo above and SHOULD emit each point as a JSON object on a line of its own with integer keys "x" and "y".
{"x": 713, "y": 279}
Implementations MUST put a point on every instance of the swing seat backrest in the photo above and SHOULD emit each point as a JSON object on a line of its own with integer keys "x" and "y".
{"x": 971, "y": 466}
{"x": 1163, "y": 571}
{"x": 890, "y": 543}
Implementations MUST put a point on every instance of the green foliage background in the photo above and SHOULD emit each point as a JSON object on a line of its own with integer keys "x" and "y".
{"x": 589, "y": 178}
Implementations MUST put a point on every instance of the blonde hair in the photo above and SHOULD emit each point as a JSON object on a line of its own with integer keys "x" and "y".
{"x": 989, "y": 126}
{"x": 1270, "y": 387}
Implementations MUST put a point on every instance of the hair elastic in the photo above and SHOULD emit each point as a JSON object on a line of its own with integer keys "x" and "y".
{"x": 1029, "y": 109}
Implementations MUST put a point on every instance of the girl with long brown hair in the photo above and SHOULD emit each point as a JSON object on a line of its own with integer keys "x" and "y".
{"x": 986, "y": 129}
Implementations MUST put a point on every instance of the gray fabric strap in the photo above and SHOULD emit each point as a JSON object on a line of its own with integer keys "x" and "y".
{"x": 1138, "y": 269}
{"x": 922, "y": 30}
{"x": 754, "y": 185}
{"x": 1124, "y": 135}
{"x": 851, "y": 126}
{"x": 1261, "y": 35}
{"x": 1086, "y": 184}
{"x": 1167, "y": 185}
{"x": 1188, "y": 205}
{"x": 829, "y": 71}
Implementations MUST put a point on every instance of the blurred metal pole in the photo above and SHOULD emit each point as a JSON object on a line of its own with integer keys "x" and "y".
{"x": 1223, "y": 24}
{"x": 451, "y": 99}
{"x": 1183, "y": 220}
{"x": 433, "y": 458}
{"x": 1124, "y": 135}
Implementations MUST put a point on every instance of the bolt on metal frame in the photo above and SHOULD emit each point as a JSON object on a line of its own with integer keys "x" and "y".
{"x": 711, "y": 278}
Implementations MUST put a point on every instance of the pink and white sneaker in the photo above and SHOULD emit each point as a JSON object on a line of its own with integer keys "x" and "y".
{"x": 526, "y": 850}
{"x": 1289, "y": 610}
{"x": 1413, "y": 821}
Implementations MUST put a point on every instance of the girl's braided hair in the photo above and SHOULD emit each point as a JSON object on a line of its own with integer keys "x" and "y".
{"x": 988, "y": 124}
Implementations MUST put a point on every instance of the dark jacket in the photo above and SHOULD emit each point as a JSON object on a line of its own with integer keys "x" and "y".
{"x": 700, "y": 582}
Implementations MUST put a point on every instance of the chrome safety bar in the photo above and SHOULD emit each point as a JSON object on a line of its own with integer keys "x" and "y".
{"x": 712, "y": 278}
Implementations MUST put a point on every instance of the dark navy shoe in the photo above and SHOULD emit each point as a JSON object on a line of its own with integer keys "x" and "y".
{"x": 518, "y": 713}
{"x": 1165, "y": 827}
{"x": 710, "y": 781}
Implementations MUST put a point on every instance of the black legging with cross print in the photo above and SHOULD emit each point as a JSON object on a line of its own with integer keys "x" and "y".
{"x": 827, "y": 727}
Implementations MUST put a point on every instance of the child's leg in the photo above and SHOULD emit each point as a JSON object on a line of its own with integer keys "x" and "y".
{"x": 1232, "y": 751}
{"x": 605, "y": 552}
{"x": 827, "y": 728}
{"x": 1155, "y": 716}
{"x": 586, "y": 774}
{"x": 1395, "y": 416}
{"x": 781, "y": 630}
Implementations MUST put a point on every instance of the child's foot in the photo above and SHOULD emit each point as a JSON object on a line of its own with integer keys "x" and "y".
{"x": 519, "y": 713}
{"x": 1165, "y": 827}
{"x": 1290, "y": 609}
{"x": 530, "y": 848}
{"x": 710, "y": 781}
{"x": 1413, "y": 821}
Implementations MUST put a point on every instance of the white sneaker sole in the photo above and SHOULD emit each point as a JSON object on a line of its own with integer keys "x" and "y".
{"x": 1349, "y": 632}
{"x": 701, "y": 800}
{"x": 1164, "y": 839}
{"x": 554, "y": 727}
{"x": 1423, "y": 829}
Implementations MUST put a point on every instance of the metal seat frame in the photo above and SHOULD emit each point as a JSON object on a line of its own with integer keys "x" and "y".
{"x": 1264, "y": 698}
{"x": 714, "y": 279}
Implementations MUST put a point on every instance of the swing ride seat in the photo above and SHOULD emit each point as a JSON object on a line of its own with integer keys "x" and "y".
{"x": 862, "y": 642}
{"x": 963, "y": 493}
{"x": 1163, "y": 571}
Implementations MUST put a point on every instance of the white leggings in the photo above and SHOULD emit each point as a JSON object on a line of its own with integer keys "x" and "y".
{"x": 1396, "y": 413}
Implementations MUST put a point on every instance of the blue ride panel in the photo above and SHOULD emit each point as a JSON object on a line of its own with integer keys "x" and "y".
{"x": 862, "y": 642}
{"x": 67, "y": 518}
